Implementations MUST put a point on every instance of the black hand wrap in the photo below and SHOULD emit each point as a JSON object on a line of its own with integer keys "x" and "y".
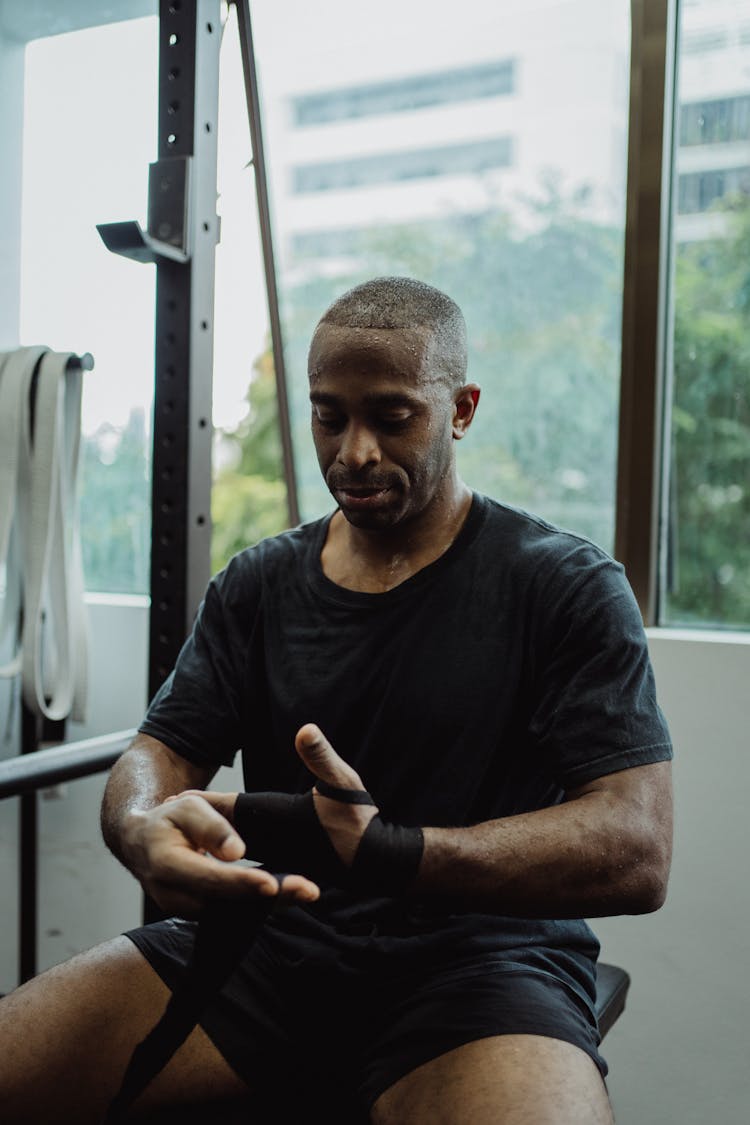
{"x": 283, "y": 831}
{"x": 387, "y": 858}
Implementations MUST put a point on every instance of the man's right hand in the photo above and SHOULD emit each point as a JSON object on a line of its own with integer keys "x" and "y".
{"x": 184, "y": 853}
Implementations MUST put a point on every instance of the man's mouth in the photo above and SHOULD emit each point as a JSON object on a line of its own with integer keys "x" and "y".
{"x": 359, "y": 490}
{"x": 360, "y": 496}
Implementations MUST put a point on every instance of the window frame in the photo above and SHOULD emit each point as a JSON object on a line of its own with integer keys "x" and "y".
{"x": 643, "y": 440}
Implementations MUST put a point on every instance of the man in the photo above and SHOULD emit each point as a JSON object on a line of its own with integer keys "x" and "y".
{"x": 485, "y": 676}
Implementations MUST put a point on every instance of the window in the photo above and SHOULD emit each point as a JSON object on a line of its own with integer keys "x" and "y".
{"x": 700, "y": 191}
{"x": 417, "y": 92}
{"x": 706, "y": 571}
{"x": 89, "y": 134}
{"x": 415, "y": 164}
{"x": 720, "y": 121}
{"x": 533, "y": 254}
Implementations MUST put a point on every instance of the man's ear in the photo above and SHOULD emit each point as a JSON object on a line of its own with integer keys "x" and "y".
{"x": 464, "y": 409}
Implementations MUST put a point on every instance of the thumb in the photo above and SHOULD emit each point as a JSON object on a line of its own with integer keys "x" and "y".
{"x": 322, "y": 760}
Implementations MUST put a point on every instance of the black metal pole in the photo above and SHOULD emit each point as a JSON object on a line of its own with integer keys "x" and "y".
{"x": 264, "y": 222}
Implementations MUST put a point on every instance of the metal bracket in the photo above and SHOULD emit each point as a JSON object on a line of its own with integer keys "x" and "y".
{"x": 168, "y": 217}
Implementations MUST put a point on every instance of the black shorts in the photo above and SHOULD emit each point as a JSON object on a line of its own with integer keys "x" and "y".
{"x": 284, "y": 1026}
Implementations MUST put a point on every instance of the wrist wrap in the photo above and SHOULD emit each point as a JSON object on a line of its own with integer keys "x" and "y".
{"x": 387, "y": 859}
{"x": 283, "y": 831}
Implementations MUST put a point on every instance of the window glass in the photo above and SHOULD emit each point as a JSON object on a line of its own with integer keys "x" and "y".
{"x": 707, "y": 561}
{"x": 89, "y": 135}
{"x": 485, "y": 155}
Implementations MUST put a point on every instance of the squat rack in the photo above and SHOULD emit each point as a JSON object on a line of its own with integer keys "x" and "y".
{"x": 181, "y": 237}
{"x": 180, "y": 240}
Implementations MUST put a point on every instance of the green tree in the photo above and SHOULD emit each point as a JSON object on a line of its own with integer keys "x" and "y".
{"x": 115, "y": 507}
{"x": 248, "y": 500}
{"x": 709, "y": 562}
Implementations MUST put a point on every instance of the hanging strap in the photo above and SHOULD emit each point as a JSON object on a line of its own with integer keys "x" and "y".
{"x": 16, "y": 374}
{"x": 53, "y": 642}
{"x": 40, "y": 411}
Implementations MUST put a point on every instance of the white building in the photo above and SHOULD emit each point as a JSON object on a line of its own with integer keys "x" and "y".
{"x": 402, "y": 125}
{"x": 713, "y": 130}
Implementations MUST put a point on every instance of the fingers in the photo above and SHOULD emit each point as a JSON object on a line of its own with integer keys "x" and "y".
{"x": 322, "y": 760}
{"x": 202, "y": 819}
{"x": 188, "y": 888}
{"x": 190, "y": 848}
{"x": 223, "y": 803}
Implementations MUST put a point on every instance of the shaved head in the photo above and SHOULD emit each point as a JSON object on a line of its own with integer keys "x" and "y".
{"x": 402, "y": 302}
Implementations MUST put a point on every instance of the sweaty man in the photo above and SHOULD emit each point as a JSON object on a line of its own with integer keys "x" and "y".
{"x": 452, "y": 754}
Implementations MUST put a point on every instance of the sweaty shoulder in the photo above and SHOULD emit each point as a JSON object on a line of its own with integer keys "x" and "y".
{"x": 542, "y": 553}
{"x": 267, "y": 564}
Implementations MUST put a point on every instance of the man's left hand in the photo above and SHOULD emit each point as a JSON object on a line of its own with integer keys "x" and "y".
{"x": 345, "y": 823}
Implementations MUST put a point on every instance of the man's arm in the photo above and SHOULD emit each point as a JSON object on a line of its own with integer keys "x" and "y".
{"x": 179, "y": 848}
{"x": 605, "y": 850}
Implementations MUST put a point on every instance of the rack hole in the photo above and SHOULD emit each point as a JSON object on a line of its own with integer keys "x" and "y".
{"x": 209, "y": 28}
{"x": 200, "y": 520}
{"x": 174, "y": 39}
{"x": 204, "y": 325}
{"x": 202, "y": 423}
{"x": 173, "y": 108}
{"x": 173, "y": 74}
{"x": 206, "y": 226}
{"x": 172, "y": 139}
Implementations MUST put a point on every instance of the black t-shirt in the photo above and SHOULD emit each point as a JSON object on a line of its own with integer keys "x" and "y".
{"x": 512, "y": 668}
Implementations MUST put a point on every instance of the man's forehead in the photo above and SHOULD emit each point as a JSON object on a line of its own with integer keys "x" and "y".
{"x": 397, "y": 350}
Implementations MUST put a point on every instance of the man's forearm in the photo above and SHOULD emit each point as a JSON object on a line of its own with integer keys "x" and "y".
{"x": 595, "y": 855}
{"x": 146, "y": 774}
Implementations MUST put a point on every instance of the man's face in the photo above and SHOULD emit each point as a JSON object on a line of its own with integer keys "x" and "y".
{"x": 381, "y": 422}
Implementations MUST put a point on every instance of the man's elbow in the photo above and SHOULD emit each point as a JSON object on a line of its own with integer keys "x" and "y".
{"x": 649, "y": 879}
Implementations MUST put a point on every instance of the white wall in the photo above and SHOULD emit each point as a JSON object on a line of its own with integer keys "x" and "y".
{"x": 11, "y": 122}
{"x": 679, "y": 1054}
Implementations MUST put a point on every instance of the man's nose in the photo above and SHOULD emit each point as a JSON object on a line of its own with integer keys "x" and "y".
{"x": 358, "y": 447}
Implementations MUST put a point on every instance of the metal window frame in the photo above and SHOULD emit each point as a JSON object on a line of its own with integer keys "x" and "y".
{"x": 645, "y": 385}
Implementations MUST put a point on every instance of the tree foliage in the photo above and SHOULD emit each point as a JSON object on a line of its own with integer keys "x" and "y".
{"x": 709, "y": 561}
{"x": 248, "y": 499}
{"x": 115, "y": 507}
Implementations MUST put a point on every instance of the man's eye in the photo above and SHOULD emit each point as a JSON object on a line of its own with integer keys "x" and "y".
{"x": 329, "y": 421}
{"x": 395, "y": 421}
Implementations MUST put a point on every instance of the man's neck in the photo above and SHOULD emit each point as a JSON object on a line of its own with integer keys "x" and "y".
{"x": 374, "y": 561}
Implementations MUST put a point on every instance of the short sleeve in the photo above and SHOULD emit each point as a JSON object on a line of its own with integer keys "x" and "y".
{"x": 595, "y": 709}
{"x": 198, "y": 709}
